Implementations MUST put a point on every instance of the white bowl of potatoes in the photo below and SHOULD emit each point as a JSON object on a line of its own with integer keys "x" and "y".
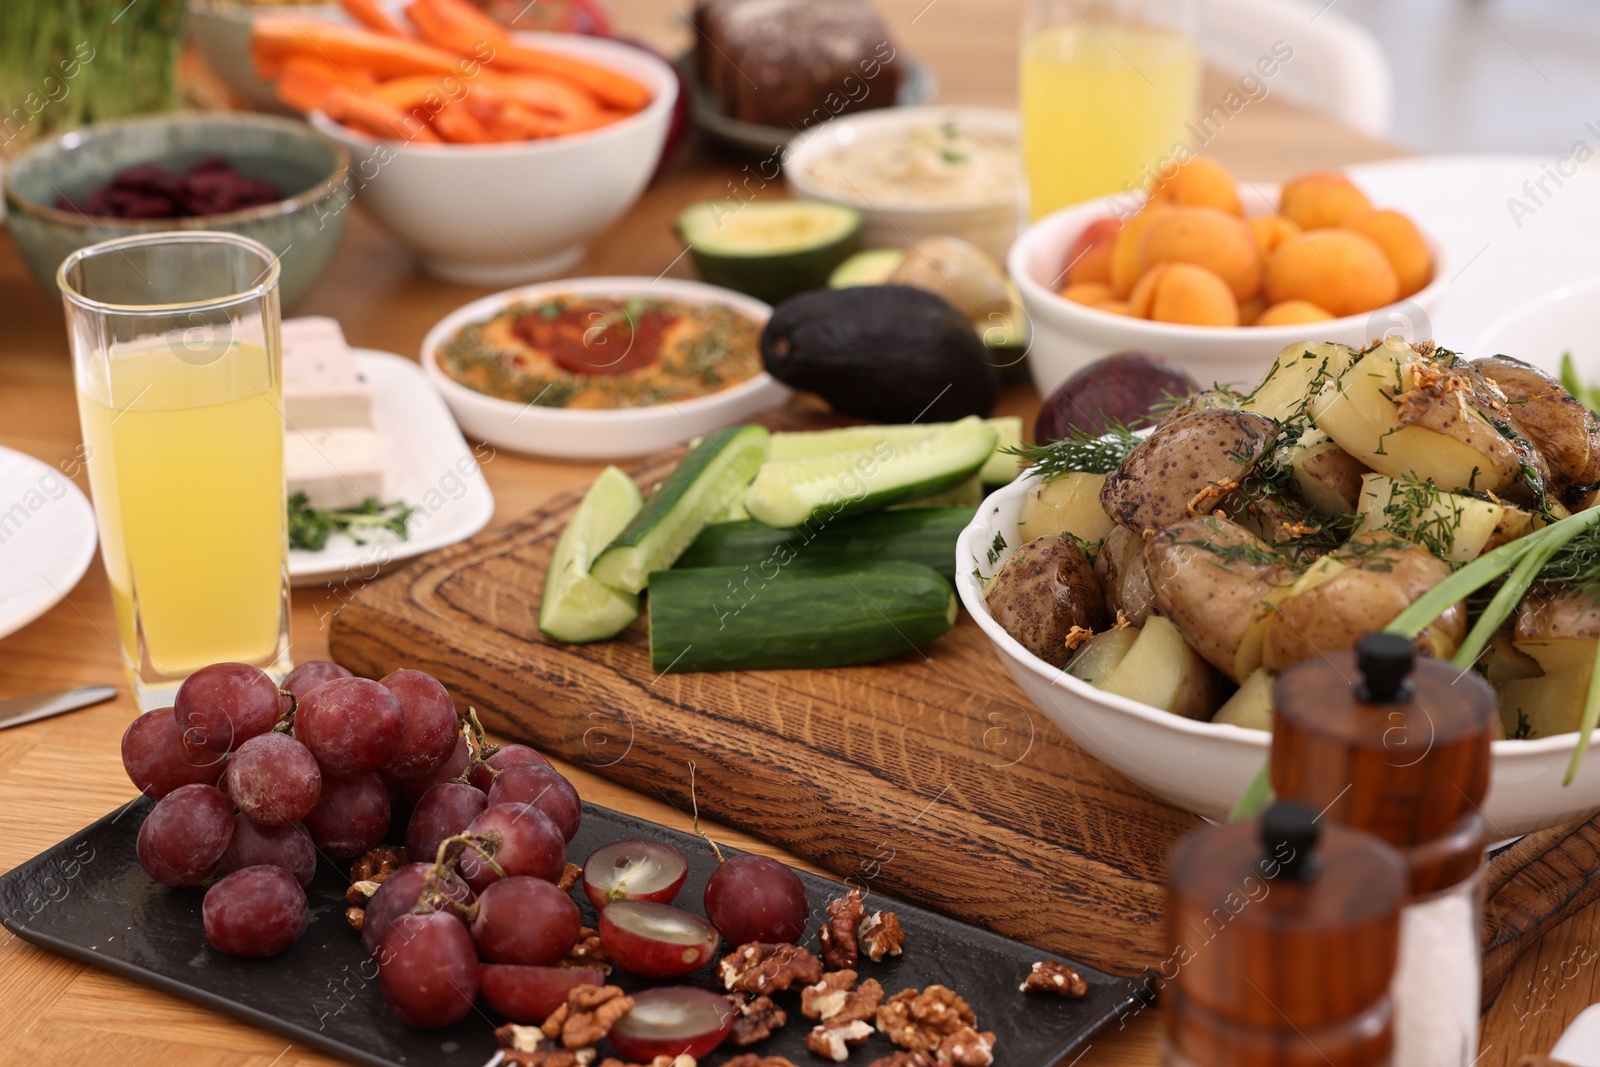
{"x": 1200, "y": 613}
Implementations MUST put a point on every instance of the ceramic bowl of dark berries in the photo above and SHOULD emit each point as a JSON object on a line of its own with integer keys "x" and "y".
{"x": 275, "y": 180}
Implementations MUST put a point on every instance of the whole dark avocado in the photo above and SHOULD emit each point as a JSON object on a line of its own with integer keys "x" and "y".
{"x": 889, "y": 353}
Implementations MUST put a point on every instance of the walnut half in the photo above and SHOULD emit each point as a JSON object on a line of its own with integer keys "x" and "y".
{"x": 965, "y": 1048}
{"x": 881, "y": 935}
{"x": 756, "y": 1019}
{"x": 837, "y": 998}
{"x": 1049, "y": 976}
{"x": 838, "y": 934}
{"x": 833, "y": 1041}
{"x": 919, "y": 1021}
{"x": 760, "y": 969}
{"x": 588, "y": 1015}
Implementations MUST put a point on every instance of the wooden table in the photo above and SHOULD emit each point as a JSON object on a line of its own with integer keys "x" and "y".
{"x": 58, "y": 775}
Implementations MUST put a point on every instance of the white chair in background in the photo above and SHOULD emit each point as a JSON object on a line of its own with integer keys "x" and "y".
{"x": 1338, "y": 68}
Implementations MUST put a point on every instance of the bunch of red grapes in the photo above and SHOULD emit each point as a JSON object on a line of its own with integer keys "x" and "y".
{"x": 253, "y": 783}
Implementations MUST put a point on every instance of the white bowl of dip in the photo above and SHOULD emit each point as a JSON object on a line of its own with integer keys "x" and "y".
{"x": 917, "y": 172}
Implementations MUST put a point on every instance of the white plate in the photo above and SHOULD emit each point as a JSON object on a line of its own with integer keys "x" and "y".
{"x": 431, "y": 468}
{"x": 47, "y": 538}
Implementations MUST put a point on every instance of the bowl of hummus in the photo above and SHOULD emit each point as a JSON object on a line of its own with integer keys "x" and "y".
{"x": 602, "y": 368}
{"x": 918, "y": 172}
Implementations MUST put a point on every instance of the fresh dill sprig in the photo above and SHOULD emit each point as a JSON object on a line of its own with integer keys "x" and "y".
{"x": 1576, "y": 567}
{"x": 1081, "y": 451}
{"x": 310, "y": 528}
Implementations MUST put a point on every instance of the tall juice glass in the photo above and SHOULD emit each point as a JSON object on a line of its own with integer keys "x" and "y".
{"x": 178, "y": 364}
{"x": 1107, "y": 86}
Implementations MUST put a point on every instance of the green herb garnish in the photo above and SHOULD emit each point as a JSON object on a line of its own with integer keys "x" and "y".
{"x": 1081, "y": 451}
{"x": 1588, "y": 395}
{"x": 310, "y": 528}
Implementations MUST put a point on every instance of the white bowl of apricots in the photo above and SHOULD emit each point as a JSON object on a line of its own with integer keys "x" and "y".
{"x": 1218, "y": 276}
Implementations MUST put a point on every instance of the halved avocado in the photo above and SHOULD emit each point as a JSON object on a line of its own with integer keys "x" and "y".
{"x": 770, "y": 249}
{"x": 871, "y": 267}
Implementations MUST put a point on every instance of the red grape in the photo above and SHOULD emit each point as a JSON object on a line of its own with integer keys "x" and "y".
{"x": 525, "y": 920}
{"x": 430, "y": 728}
{"x": 756, "y": 898}
{"x": 428, "y": 970}
{"x": 255, "y": 911}
{"x": 158, "y": 761}
{"x": 655, "y": 940}
{"x": 634, "y": 870}
{"x": 673, "y": 1021}
{"x": 509, "y": 755}
{"x": 526, "y": 842}
{"x": 530, "y": 994}
{"x": 545, "y": 788}
{"x": 399, "y": 895}
{"x": 352, "y": 725}
{"x": 274, "y": 779}
{"x": 412, "y": 789}
{"x": 351, "y": 816}
{"x": 310, "y": 674}
{"x": 224, "y": 705}
{"x": 185, "y": 834}
{"x": 288, "y": 847}
{"x": 444, "y": 811}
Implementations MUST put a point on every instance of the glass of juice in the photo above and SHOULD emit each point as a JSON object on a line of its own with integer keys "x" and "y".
{"x": 1107, "y": 88}
{"x": 178, "y": 364}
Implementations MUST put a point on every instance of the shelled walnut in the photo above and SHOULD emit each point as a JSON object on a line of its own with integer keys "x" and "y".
{"x": 1049, "y": 976}
{"x": 570, "y": 877}
{"x": 965, "y": 1048}
{"x": 588, "y": 953}
{"x": 919, "y": 1021}
{"x": 367, "y": 873}
{"x": 680, "y": 1060}
{"x": 756, "y": 1020}
{"x": 751, "y": 1059}
{"x": 881, "y": 935}
{"x": 834, "y": 1040}
{"x": 903, "y": 1059}
{"x": 760, "y": 969}
{"x": 838, "y": 999}
{"x": 526, "y": 1046}
{"x": 588, "y": 1015}
{"x": 838, "y": 934}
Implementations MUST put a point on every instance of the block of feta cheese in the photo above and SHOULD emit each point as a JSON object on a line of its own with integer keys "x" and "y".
{"x": 335, "y": 468}
{"x": 322, "y": 385}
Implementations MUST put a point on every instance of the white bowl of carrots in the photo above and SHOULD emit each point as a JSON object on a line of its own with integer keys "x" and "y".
{"x": 492, "y": 155}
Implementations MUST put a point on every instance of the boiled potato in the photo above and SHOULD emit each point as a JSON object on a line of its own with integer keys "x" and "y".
{"x": 1545, "y": 706}
{"x": 1504, "y": 662}
{"x": 1069, "y": 504}
{"x": 1450, "y": 525}
{"x": 1429, "y": 434}
{"x": 1124, "y": 579}
{"x": 1192, "y": 462}
{"x": 1557, "y": 629}
{"x": 1566, "y": 433}
{"x": 1160, "y": 669}
{"x": 1251, "y": 704}
{"x": 1294, "y": 377}
{"x": 1218, "y": 583}
{"x": 1098, "y": 657}
{"x": 1326, "y": 476}
{"x": 1042, "y": 593}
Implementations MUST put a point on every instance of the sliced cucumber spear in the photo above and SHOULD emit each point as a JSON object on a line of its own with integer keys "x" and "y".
{"x": 701, "y": 488}
{"x": 575, "y": 607}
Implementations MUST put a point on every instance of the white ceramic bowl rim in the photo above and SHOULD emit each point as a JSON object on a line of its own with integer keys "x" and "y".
{"x": 1047, "y": 231}
{"x": 863, "y": 125}
{"x": 616, "y": 286}
{"x": 596, "y": 49}
{"x": 1528, "y": 309}
{"x": 967, "y": 547}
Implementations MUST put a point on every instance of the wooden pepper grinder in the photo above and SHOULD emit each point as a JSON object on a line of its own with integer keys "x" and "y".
{"x": 1285, "y": 933}
{"x": 1399, "y": 747}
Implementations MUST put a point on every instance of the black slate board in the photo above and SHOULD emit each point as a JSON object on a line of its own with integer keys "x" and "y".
{"x": 88, "y": 899}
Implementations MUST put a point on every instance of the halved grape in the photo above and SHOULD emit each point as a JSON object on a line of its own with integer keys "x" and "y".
{"x": 185, "y": 834}
{"x": 545, "y": 788}
{"x": 310, "y": 674}
{"x": 673, "y": 1021}
{"x": 525, "y": 920}
{"x": 401, "y": 894}
{"x": 656, "y": 940}
{"x": 224, "y": 705}
{"x": 430, "y": 724}
{"x": 428, "y": 970}
{"x": 274, "y": 779}
{"x": 288, "y": 847}
{"x": 444, "y": 811}
{"x": 634, "y": 870}
{"x": 352, "y": 725}
{"x": 527, "y": 842}
{"x": 351, "y": 816}
{"x": 508, "y": 756}
{"x": 255, "y": 911}
{"x": 158, "y": 761}
{"x": 530, "y": 994}
{"x": 756, "y": 898}
{"x": 412, "y": 789}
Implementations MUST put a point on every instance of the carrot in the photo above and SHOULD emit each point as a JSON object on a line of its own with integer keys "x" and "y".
{"x": 367, "y": 13}
{"x": 304, "y": 82}
{"x": 455, "y": 123}
{"x": 414, "y": 90}
{"x": 347, "y": 48}
{"x": 375, "y": 117}
{"x": 544, "y": 93}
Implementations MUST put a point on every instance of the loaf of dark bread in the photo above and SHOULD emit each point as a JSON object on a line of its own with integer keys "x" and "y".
{"x": 794, "y": 62}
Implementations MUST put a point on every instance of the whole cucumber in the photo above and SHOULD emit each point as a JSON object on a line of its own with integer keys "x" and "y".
{"x": 921, "y": 535}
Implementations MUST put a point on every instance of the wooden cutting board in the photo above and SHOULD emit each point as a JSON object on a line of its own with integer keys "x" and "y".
{"x": 930, "y": 777}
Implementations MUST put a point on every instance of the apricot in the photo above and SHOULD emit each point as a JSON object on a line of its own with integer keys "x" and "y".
{"x": 1270, "y": 231}
{"x": 1090, "y": 293}
{"x": 1250, "y": 310}
{"x": 1207, "y": 238}
{"x": 1338, "y": 270}
{"x": 1115, "y": 307}
{"x": 1125, "y": 268}
{"x": 1201, "y": 182}
{"x": 1292, "y": 313}
{"x": 1401, "y": 242}
{"x": 1184, "y": 293}
{"x": 1089, "y": 258}
{"x": 1321, "y": 200}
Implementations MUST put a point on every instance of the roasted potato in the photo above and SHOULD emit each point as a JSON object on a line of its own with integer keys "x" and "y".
{"x": 1565, "y": 432}
{"x": 1160, "y": 669}
{"x": 1251, "y": 704}
{"x": 1296, "y": 376}
{"x": 1185, "y": 467}
{"x": 1098, "y": 657}
{"x": 1218, "y": 583}
{"x": 1124, "y": 579}
{"x": 1557, "y": 629}
{"x": 1044, "y": 591}
{"x": 1327, "y": 477}
{"x": 1069, "y": 504}
{"x": 1356, "y": 589}
{"x": 1450, "y": 525}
